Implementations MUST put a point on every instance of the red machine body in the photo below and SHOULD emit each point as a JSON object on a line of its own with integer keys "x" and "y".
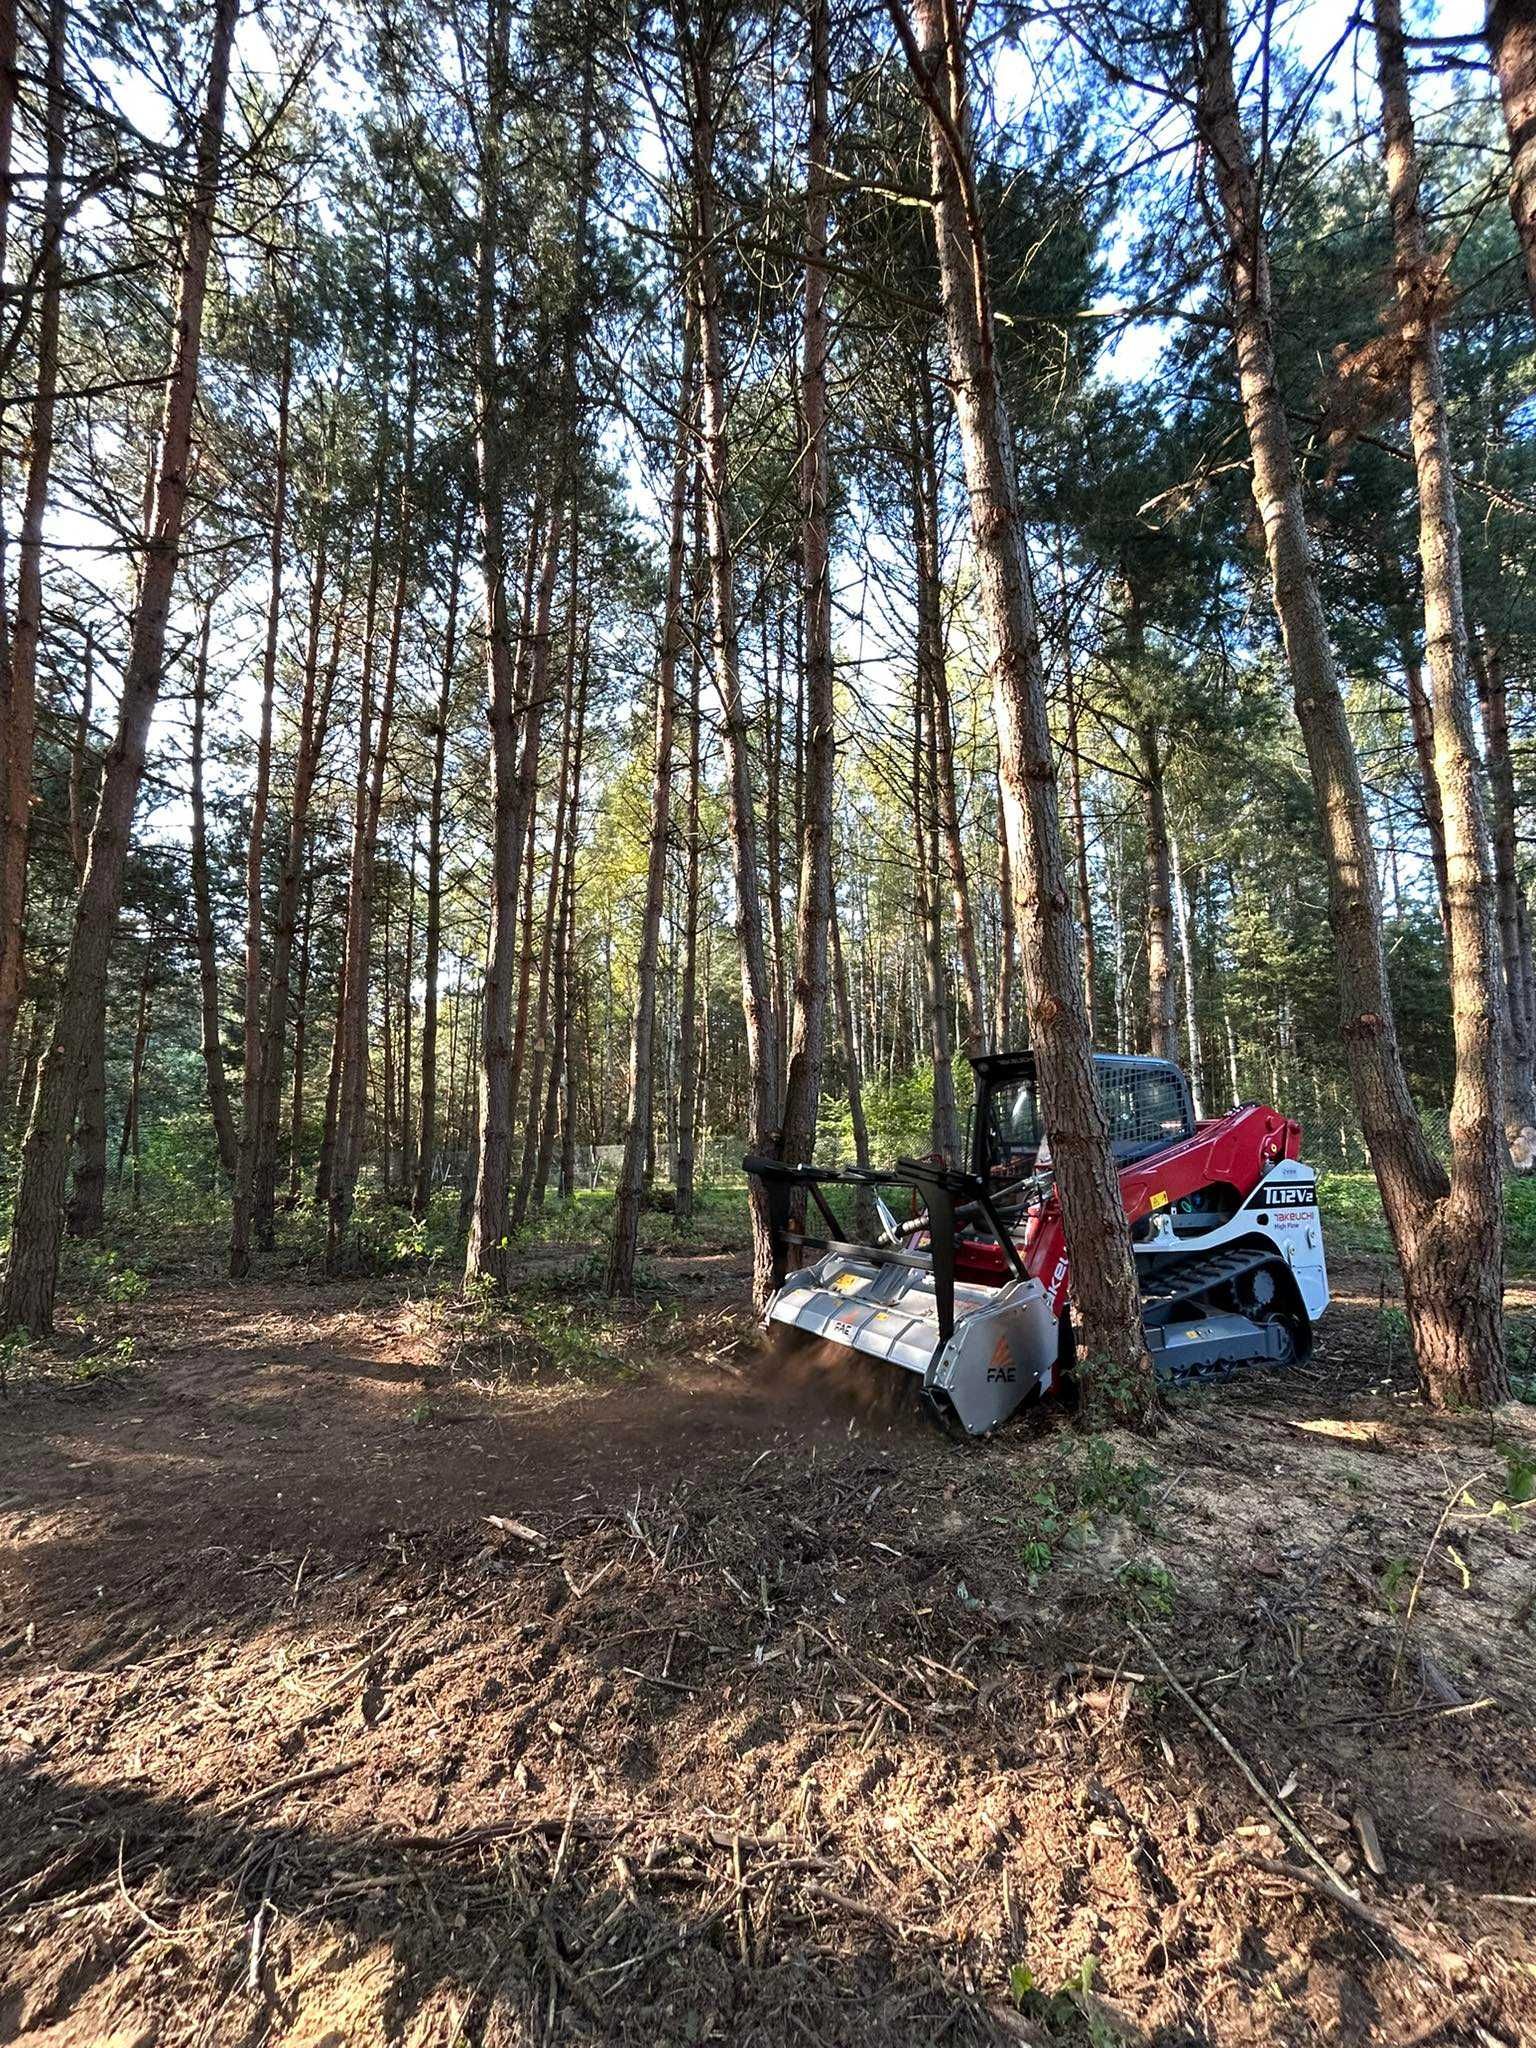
{"x": 1228, "y": 1153}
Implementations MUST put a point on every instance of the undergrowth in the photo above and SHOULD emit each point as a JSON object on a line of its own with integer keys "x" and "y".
{"x": 1353, "y": 1221}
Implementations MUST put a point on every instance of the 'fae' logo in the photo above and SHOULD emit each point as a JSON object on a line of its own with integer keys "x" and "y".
{"x": 1001, "y": 1371}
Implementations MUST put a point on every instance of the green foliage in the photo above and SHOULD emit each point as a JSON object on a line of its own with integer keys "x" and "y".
{"x": 1091, "y": 1483}
{"x": 1350, "y": 1204}
{"x": 1520, "y": 1470}
{"x": 898, "y": 1112}
{"x": 1069, "y": 2015}
{"x": 1390, "y": 1581}
{"x": 108, "y": 1276}
{"x": 1150, "y": 1588}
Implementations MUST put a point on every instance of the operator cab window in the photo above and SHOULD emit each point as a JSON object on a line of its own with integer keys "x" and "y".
{"x": 1145, "y": 1106}
{"x": 1016, "y": 1134}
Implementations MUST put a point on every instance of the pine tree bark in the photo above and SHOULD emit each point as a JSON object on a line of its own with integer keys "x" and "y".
{"x": 756, "y": 987}
{"x": 1512, "y": 42}
{"x": 31, "y": 1278}
{"x": 1421, "y": 723}
{"x": 1114, "y": 1372}
{"x": 1008, "y": 936}
{"x": 255, "y": 855}
{"x": 1162, "y": 994}
{"x": 813, "y": 913}
{"x": 426, "y": 1143}
{"x": 1451, "y": 1266}
{"x": 10, "y": 80}
{"x": 1080, "y": 855}
{"x": 1519, "y": 1081}
{"x": 87, "y": 1209}
{"x": 352, "y": 1104}
{"x": 1194, "y": 1066}
{"x": 851, "y": 1070}
{"x": 563, "y": 1055}
{"x": 688, "y": 996}
{"x": 318, "y": 691}
{"x": 554, "y": 897}
{"x": 637, "y": 1130}
{"x": 128, "y": 1144}
{"x": 300, "y": 1042}
{"x": 210, "y": 1009}
{"x": 19, "y": 645}
{"x": 945, "y": 1125}
{"x": 943, "y": 726}
{"x": 343, "y": 1035}
{"x": 1457, "y": 1374}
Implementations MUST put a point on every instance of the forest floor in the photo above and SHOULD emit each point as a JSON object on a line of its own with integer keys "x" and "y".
{"x": 375, "y": 1670}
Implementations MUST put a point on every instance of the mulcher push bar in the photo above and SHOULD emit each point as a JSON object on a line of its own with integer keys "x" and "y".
{"x": 946, "y": 1194}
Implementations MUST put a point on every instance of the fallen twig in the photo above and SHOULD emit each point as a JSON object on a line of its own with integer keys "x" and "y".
{"x": 1277, "y": 1807}
{"x": 285, "y": 1785}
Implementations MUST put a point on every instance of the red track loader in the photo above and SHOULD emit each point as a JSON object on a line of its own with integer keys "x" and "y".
{"x": 971, "y": 1289}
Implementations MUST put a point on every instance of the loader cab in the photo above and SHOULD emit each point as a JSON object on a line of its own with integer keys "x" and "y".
{"x": 1147, "y": 1102}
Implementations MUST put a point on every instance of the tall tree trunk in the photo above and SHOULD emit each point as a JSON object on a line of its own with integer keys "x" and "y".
{"x": 1519, "y": 1082}
{"x": 756, "y": 987}
{"x": 1445, "y": 1261}
{"x": 1114, "y": 1371}
{"x": 300, "y": 1036}
{"x": 352, "y": 1108}
{"x": 1476, "y": 1210}
{"x": 128, "y": 1145}
{"x": 565, "y": 856}
{"x": 808, "y": 1012}
{"x": 534, "y": 670}
{"x": 32, "y": 1271}
{"x": 314, "y": 723}
{"x": 926, "y": 499}
{"x": 349, "y": 1039}
{"x": 570, "y": 1110}
{"x": 328, "y": 1119}
{"x": 1008, "y": 935}
{"x": 626, "y": 1212}
{"x": 19, "y": 639}
{"x": 18, "y": 649}
{"x": 1080, "y": 852}
{"x": 554, "y": 897}
{"x": 1162, "y": 995}
{"x": 1512, "y": 41}
{"x": 773, "y": 843}
{"x": 252, "y": 1064}
{"x": 87, "y": 1212}
{"x": 688, "y": 996}
{"x": 1421, "y": 722}
{"x": 427, "y": 1141}
{"x": 10, "y": 80}
{"x": 945, "y": 1127}
{"x": 407, "y": 1017}
{"x": 1194, "y": 1065}
{"x": 202, "y": 904}
{"x": 850, "y": 1050}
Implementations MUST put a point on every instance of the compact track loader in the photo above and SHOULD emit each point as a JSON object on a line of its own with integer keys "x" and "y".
{"x": 970, "y": 1289}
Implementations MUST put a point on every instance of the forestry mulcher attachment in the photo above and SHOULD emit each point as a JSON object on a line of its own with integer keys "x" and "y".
{"x": 970, "y": 1288}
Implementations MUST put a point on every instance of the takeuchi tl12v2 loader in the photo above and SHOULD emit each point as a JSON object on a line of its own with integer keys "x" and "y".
{"x": 971, "y": 1289}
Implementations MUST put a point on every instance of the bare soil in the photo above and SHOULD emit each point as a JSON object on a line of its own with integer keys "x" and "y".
{"x": 370, "y": 1672}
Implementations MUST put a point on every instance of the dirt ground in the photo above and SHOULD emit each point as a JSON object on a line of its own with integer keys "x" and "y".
{"x": 371, "y": 1672}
